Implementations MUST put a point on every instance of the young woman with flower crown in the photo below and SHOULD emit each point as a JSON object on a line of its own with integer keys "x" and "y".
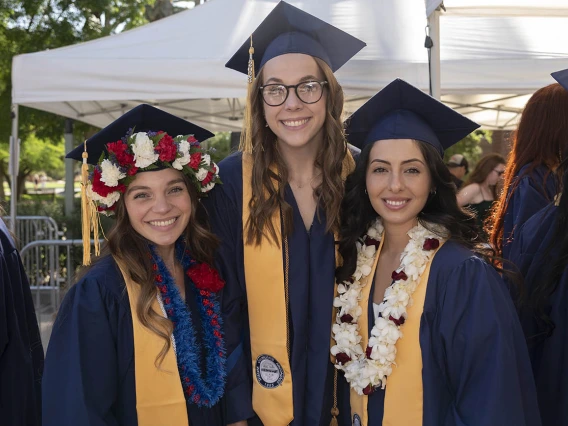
{"x": 276, "y": 215}
{"x": 138, "y": 339}
{"x": 425, "y": 333}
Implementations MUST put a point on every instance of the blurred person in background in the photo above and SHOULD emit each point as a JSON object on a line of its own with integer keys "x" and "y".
{"x": 459, "y": 167}
{"x": 480, "y": 190}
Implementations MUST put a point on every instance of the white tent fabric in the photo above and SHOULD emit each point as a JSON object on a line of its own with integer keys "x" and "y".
{"x": 507, "y": 8}
{"x": 178, "y": 63}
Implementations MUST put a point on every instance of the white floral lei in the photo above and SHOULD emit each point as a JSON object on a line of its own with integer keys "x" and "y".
{"x": 367, "y": 369}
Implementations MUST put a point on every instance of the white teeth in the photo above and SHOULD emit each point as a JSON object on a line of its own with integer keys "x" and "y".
{"x": 295, "y": 123}
{"x": 163, "y": 222}
{"x": 395, "y": 203}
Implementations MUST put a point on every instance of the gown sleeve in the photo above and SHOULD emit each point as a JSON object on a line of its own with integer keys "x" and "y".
{"x": 226, "y": 222}
{"x": 21, "y": 351}
{"x": 483, "y": 351}
{"x": 80, "y": 384}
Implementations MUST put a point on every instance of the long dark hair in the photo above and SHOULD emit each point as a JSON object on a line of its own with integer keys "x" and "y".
{"x": 556, "y": 256}
{"x": 131, "y": 250}
{"x": 540, "y": 140}
{"x": 268, "y": 187}
{"x": 357, "y": 213}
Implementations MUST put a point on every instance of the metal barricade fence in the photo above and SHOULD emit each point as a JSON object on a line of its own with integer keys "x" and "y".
{"x": 33, "y": 228}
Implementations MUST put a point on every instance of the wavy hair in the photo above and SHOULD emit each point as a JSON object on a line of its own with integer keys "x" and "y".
{"x": 131, "y": 249}
{"x": 268, "y": 183}
{"x": 541, "y": 138}
{"x": 483, "y": 168}
{"x": 357, "y": 213}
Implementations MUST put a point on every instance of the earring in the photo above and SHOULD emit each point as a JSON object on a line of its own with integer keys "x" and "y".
{"x": 433, "y": 192}
{"x": 266, "y": 125}
{"x": 366, "y": 191}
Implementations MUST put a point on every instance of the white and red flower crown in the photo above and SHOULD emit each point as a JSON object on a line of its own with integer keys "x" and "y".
{"x": 145, "y": 151}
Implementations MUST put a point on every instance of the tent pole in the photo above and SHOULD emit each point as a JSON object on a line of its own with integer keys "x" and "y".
{"x": 434, "y": 27}
{"x": 69, "y": 169}
{"x": 15, "y": 162}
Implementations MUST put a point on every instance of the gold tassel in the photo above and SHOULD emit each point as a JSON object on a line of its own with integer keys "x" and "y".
{"x": 246, "y": 137}
{"x": 85, "y": 209}
{"x": 334, "y": 410}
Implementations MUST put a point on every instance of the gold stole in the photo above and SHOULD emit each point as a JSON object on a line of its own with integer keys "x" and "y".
{"x": 264, "y": 275}
{"x": 404, "y": 391}
{"x": 159, "y": 395}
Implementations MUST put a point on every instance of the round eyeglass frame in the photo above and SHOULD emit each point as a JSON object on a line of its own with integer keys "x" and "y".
{"x": 295, "y": 87}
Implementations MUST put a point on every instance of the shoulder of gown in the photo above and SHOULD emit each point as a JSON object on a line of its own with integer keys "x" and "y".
{"x": 91, "y": 350}
{"x": 473, "y": 336}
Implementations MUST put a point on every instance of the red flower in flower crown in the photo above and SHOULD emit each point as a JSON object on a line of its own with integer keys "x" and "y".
{"x": 195, "y": 160}
{"x": 399, "y": 276}
{"x": 205, "y": 277}
{"x": 166, "y": 148}
{"x": 208, "y": 178}
{"x": 191, "y": 139}
{"x": 120, "y": 150}
{"x": 431, "y": 244}
{"x": 100, "y": 187}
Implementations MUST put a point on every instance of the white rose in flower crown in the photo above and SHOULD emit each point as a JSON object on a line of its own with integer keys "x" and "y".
{"x": 208, "y": 187}
{"x": 206, "y": 158}
{"x": 111, "y": 174}
{"x": 143, "y": 149}
{"x": 111, "y": 198}
{"x": 201, "y": 174}
{"x": 183, "y": 149}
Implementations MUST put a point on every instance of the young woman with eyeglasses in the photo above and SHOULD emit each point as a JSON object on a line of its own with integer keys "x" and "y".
{"x": 276, "y": 215}
{"x": 480, "y": 190}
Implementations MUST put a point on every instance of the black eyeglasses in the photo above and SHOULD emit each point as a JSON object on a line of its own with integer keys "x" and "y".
{"x": 309, "y": 92}
{"x": 499, "y": 172}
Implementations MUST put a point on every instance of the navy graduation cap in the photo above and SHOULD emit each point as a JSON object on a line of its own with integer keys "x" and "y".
{"x": 401, "y": 111}
{"x": 143, "y": 118}
{"x": 288, "y": 29}
{"x": 561, "y": 77}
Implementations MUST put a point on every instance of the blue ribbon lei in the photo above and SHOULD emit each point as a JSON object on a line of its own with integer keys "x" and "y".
{"x": 201, "y": 391}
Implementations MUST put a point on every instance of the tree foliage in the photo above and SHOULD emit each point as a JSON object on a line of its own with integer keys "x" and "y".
{"x": 470, "y": 146}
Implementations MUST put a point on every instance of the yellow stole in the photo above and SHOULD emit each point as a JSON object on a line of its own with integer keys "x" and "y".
{"x": 159, "y": 394}
{"x": 404, "y": 391}
{"x": 264, "y": 275}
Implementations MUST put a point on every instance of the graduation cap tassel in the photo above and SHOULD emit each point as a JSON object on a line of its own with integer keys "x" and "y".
{"x": 246, "y": 137}
{"x": 85, "y": 209}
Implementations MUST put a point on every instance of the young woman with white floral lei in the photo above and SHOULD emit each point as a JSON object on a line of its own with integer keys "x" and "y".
{"x": 138, "y": 340}
{"x": 425, "y": 333}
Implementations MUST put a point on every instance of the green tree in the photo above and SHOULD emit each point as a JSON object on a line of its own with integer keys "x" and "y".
{"x": 220, "y": 145}
{"x": 470, "y": 146}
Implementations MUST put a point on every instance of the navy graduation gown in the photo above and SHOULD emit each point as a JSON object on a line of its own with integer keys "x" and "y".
{"x": 89, "y": 375}
{"x": 534, "y": 192}
{"x": 21, "y": 351}
{"x": 549, "y": 356}
{"x": 311, "y": 287}
{"x": 474, "y": 355}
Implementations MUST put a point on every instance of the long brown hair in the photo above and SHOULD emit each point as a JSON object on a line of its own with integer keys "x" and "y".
{"x": 541, "y": 139}
{"x": 131, "y": 251}
{"x": 483, "y": 168}
{"x": 268, "y": 186}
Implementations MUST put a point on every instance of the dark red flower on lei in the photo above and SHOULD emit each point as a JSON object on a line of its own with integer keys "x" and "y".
{"x": 205, "y": 277}
{"x": 368, "y": 352}
{"x": 397, "y": 321}
{"x": 346, "y": 318}
{"x": 368, "y": 390}
{"x": 342, "y": 358}
{"x": 372, "y": 242}
{"x": 399, "y": 276}
{"x": 100, "y": 187}
{"x": 195, "y": 160}
{"x": 431, "y": 244}
{"x": 166, "y": 148}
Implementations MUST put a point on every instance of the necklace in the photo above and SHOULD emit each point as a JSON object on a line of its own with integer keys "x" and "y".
{"x": 203, "y": 388}
{"x": 366, "y": 370}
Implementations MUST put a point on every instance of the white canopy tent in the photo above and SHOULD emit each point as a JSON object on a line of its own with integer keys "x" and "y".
{"x": 178, "y": 63}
